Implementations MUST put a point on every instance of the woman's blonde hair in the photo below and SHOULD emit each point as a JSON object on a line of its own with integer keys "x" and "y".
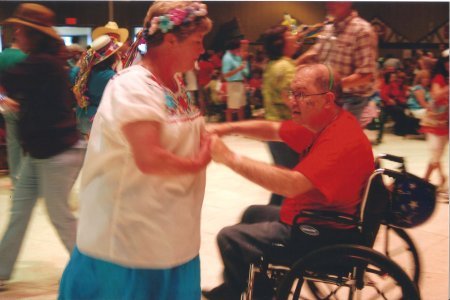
{"x": 421, "y": 74}
{"x": 182, "y": 31}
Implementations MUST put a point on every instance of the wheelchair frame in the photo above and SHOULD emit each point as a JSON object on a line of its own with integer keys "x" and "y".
{"x": 284, "y": 273}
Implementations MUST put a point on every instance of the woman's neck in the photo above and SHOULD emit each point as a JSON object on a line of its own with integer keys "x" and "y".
{"x": 160, "y": 68}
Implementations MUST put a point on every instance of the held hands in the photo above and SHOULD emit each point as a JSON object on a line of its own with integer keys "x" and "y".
{"x": 204, "y": 155}
{"x": 219, "y": 151}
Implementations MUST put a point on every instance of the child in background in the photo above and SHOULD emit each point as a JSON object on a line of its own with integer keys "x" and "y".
{"x": 217, "y": 90}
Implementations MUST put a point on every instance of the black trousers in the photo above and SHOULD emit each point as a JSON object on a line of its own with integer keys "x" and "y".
{"x": 245, "y": 243}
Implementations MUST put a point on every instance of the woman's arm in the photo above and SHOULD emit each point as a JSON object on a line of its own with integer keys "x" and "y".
{"x": 256, "y": 129}
{"x": 151, "y": 158}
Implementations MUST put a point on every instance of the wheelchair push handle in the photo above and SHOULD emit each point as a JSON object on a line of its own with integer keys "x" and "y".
{"x": 390, "y": 173}
{"x": 394, "y": 158}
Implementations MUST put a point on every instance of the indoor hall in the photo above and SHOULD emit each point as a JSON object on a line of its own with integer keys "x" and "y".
{"x": 43, "y": 257}
{"x": 39, "y": 267}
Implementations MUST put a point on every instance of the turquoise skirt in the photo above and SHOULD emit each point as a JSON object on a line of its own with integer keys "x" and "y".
{"x": 90, "y": 278}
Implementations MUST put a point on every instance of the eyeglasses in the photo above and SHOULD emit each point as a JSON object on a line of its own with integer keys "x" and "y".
{"x": 300, "y": 96}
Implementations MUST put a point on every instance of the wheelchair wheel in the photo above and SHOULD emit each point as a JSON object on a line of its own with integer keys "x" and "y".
{"x": 347, "y": 272}
{"x": 396, "y": 244}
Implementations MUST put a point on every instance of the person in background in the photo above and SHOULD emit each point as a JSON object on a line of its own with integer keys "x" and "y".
{"x": 235, "y": 70}
{"x": 8, "y": 58}
{"x": 205, "y": 71}
{"x": 91, "y": 77}
{"x": 394, "y": 95}
{"x": 119, "y": 34}
{"x": 254, "y": 86}
{"x": 349, "y": 45}
{"x": 217, "y": 95}
{"x": 420, "y": 94}
{"x": 435, "y": 122}
{"x": 47, "y": 131}
{"x": 335, "y": 163}
{"x": 191, "y": 84}
{"x": 426, "y": 60}
{"x": 75, "y": 52}
{"x": 216, "y": 58}
{"x": 280, "y": 44}
{"x": 143, "y": 180}
{"x": 392, "y": 63}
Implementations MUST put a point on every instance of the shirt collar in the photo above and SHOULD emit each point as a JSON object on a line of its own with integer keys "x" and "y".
{"x": 342, "y": 24}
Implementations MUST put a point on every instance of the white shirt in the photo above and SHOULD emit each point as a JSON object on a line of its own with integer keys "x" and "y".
{"x": 127, "y": 217}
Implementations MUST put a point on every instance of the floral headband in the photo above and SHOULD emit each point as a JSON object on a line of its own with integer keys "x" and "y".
{"x": 176, "y": 17}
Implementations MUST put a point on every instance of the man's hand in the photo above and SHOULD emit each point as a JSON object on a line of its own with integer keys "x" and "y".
{"x": 219, "y": 151}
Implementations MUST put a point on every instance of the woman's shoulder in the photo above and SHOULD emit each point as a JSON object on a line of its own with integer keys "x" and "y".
{"x": 135, "y": 77}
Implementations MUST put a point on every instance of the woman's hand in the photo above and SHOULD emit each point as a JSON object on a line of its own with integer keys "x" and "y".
{"x": 219, "y": 151}
{"x": 203, "y": 157}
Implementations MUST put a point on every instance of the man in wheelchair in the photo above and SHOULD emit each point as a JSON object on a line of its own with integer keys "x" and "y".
{"x": 335, "y": 162}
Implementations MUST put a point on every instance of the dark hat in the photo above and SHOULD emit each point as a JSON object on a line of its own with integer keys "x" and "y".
{"x": 36, "y": 16}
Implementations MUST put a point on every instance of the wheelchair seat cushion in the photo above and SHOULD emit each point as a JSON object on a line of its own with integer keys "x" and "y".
{"x": 306, "y": 238}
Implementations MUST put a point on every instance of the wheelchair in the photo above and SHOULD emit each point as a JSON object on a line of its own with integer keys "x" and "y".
{"x": 325, "y": 263}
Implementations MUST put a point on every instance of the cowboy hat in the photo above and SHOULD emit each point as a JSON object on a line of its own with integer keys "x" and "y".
{"x": 112, "y": 29}
{"x": 36, "y": 16}
{"x": 104, "y": 46}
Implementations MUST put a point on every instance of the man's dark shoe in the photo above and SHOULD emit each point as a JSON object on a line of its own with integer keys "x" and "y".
{"x": 222, "y": 292}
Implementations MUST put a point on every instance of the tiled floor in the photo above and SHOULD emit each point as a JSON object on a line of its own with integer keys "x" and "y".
{"x": 43, "y": 257}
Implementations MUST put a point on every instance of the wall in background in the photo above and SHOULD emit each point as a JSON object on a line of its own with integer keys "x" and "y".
{"x": 411, "y": 19}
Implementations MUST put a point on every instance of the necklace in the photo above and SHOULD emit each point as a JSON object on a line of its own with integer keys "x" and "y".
{"x": 317, "y": 135}
{"x": 177, "y": 103}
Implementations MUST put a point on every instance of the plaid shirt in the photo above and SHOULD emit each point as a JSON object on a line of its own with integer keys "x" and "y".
{"x": 350, "y": 46}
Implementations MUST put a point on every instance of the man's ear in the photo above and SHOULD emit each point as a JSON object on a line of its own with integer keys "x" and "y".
{"x": 331, "y": 98}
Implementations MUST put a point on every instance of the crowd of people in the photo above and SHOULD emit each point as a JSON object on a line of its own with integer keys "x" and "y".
{"x": 134, "y": 124}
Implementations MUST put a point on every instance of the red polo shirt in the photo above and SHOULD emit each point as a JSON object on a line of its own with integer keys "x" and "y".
{"x": 338, "y": 162}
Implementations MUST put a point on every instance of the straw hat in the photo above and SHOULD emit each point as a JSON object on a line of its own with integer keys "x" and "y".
{"x": 112, "y": 29}
{"x": 36, "y": 16}
{"x": 104, "y": 46}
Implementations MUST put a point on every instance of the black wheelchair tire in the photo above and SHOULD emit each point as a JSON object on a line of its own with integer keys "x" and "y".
{"x": 358, "y": 254}
{"x": 411, "y": 248}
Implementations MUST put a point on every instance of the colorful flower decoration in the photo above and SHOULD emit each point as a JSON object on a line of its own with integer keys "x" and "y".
{"x": 165, "y": 24}
{"x": 177, "y": 17}
{"x": 290, "y": 22}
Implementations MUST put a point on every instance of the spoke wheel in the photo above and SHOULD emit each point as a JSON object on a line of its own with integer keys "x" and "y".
{"x": 347, "y": 272}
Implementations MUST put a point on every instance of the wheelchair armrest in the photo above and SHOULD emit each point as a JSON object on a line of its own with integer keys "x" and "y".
{"x": 328, "y": 215}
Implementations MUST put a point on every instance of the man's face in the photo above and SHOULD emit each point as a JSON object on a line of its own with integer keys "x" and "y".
{"x": 339, "y": 10}
{"x": 307, "y": 101}
{"x": 290, "y": 44}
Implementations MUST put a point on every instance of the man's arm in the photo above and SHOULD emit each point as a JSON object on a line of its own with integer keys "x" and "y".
{"x": 356, "y": 79}
{"x": 309, "y": 56}
{"x": 235, "y": 71}
{"x": 256, "y": 129}
{"x": 281, "y": 181}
